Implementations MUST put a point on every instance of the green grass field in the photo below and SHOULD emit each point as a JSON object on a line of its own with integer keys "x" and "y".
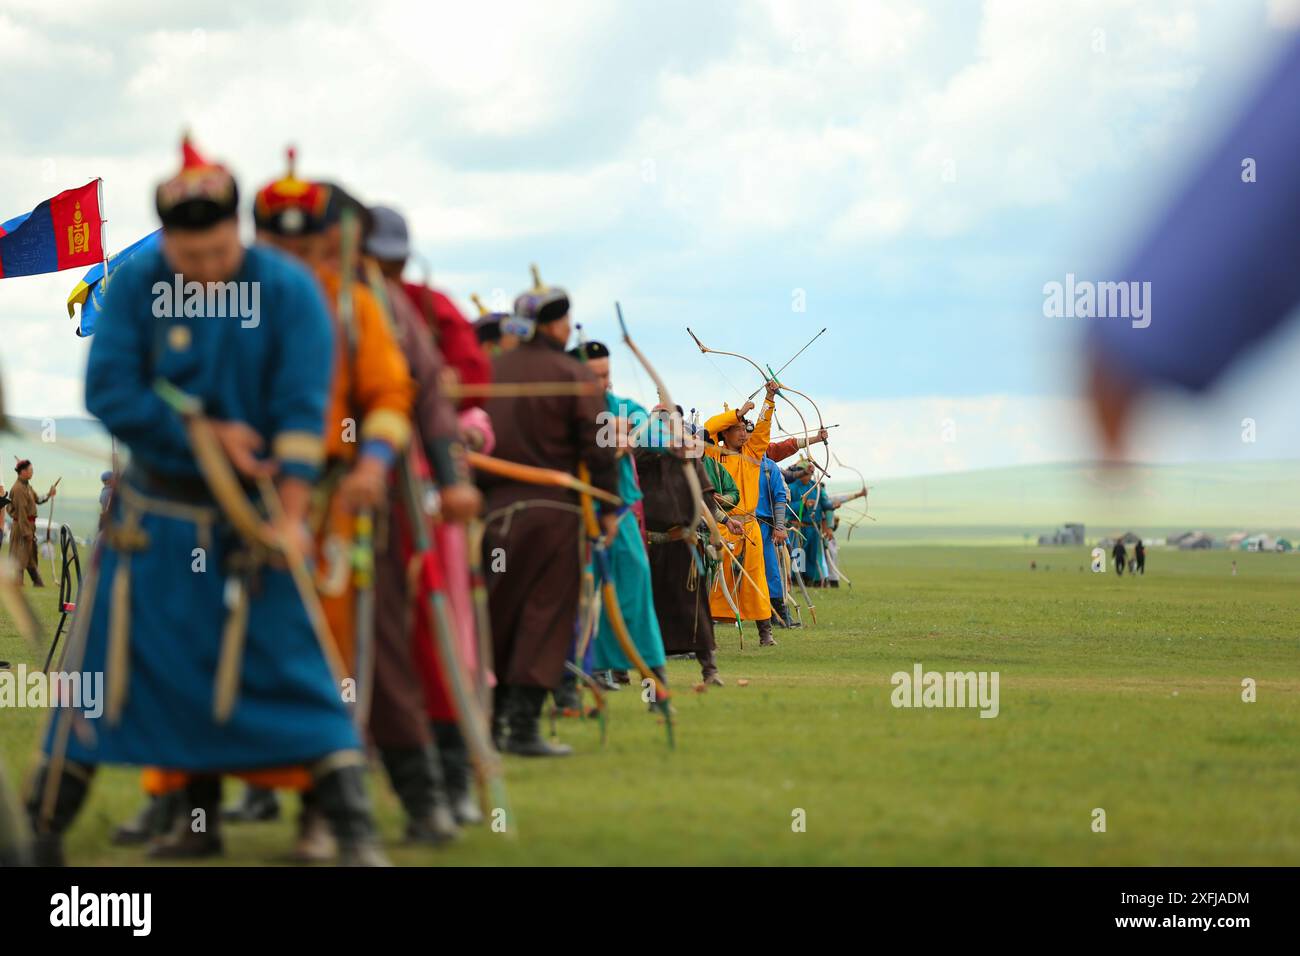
{"x": 1118, "y": 694}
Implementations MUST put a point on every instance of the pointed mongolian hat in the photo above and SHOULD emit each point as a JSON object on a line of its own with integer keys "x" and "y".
{"x": 542, "y": 303}
{"x": 200, "y": 195}
{"x": 290, "y": 206}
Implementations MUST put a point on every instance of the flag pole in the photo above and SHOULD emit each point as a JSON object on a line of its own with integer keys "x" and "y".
{"x": 103, "y": 230}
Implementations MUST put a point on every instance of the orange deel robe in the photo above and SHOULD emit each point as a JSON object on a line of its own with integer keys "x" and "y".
{"x": 751, "y": 594}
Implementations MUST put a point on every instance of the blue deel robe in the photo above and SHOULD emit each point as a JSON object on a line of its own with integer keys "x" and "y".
{"x": 773, "y": 494}
{"x": 826, "y": 521}
{"x": 630, "y": 562}
{"x": 272, "y": 372}
{"x": 811, "y": 510}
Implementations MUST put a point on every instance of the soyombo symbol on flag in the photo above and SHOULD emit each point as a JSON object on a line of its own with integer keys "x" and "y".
{"x": 61, "y": 233}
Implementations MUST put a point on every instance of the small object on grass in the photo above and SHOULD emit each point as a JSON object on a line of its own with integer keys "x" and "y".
{"x": 742, "y": 682}
{"x": 701, "y": 687}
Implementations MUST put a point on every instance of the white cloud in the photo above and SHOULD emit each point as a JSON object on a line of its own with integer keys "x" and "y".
{"x": 661, "y": 157}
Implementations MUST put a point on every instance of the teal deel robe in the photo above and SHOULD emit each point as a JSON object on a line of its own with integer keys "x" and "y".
{"x": 630, "y": 564}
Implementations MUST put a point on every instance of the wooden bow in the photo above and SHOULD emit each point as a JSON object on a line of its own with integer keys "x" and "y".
{"x": 519, "y": 389}
{"x": 13, "y": 828}
{"x": 678, "y": 432}
{"x": 862, "y": 480}
{"x": 533, "y": 475}
{"x": 609, "y": 596}
{"x": 767, "y": 377}
{"x": 49, "y": 527}
{"x": 13, "y": 601}
{"x": 219, "y": 475}
{"x": 470, "y": 715}
{"x": 471, "y": 709}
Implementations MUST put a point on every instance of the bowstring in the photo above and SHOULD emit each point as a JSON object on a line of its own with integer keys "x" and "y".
{"x": 723, "y": 375}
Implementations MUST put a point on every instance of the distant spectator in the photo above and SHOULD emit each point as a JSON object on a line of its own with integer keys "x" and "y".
{"x": 105, "y": 497}
{"x": 1140, "y": 554}
{"x": 1120, "y": 554}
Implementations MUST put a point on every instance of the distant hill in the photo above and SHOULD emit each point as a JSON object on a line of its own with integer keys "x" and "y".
{"x": 76, "y": 428}
{"x": 1035, "y": 499}
{"x": 1004, "y": 504}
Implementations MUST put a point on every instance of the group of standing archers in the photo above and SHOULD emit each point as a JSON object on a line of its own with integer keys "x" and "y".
{"x": 356, "y": 520}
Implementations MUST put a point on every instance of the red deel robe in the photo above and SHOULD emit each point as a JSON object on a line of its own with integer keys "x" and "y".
{"x": 455, "y": 336}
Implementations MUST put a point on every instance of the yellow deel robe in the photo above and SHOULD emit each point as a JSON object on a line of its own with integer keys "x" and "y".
{"x": 371, "y": 398}
{"x": 751, "y": 594}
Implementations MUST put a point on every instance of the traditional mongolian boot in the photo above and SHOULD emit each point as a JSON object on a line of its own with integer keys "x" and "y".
{"x": 196, "y": 830}
{"x": 456, "y": 771}
{"x": 416, "y": 777}
{"x": 568, "y": 699}
{"x": 341, "y": 796}
{"x": 500, "y": 716}
{"x": 153, "y": 820}
{"x": 314, "y": 843}
{"x": 525, "y": 738}
{"x": 780, "y": 615}
{"x": 709, "y": 668}
{"x": 259, "y": 805}
{"x": 765, "y": 638}
{"x": 73, "y": 785}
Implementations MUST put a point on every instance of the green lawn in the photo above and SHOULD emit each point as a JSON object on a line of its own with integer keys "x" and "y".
{"x": 1118, "y": 694}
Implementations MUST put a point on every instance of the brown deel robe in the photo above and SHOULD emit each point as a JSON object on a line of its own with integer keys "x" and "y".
{"x": 23, "y": 506}
{"x": 531, "y": 556}
{"x": 681, "y": 596}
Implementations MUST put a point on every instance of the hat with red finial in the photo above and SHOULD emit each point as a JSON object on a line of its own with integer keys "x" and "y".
{"x": 290, "y": 206}
{"x": 200, "y": 195}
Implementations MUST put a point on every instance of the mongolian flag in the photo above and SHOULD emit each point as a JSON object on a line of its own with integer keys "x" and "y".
{"x": 89, "y": 293}
{"x": 61, "y": 233}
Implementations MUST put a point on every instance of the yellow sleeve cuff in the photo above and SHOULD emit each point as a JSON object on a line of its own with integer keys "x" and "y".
{"x": 304, "y": 448}
{"x": 387, "y": 425}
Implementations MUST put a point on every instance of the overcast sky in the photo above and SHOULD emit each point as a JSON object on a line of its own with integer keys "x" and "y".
{"x": 910, "y": 173}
